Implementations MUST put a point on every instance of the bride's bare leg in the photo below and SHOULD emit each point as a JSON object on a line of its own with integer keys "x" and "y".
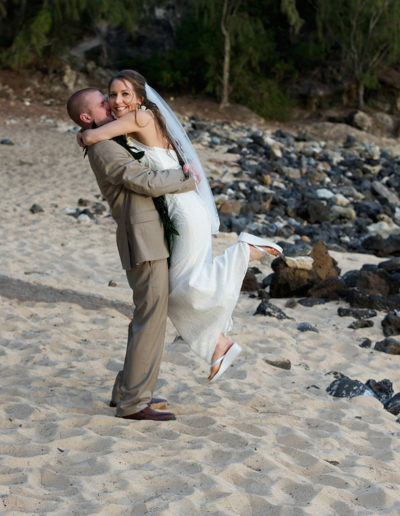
{"x": 255, "y": 254}
{"x": 223, "y": 344}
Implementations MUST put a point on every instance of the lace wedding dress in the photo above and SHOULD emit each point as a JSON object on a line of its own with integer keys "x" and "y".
{"x": 202, "y": 291}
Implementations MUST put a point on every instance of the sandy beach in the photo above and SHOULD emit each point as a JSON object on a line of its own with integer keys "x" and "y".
{"x": 262, "y": 441}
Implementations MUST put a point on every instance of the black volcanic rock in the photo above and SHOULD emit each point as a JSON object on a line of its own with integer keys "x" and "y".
{"x": 391, "y": 323}
{"x": 388, "y": 345}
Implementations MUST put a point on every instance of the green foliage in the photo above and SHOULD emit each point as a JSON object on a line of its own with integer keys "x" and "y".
{"x": 257, "y": 68}
{"x": 288, "y": 8}
{"x": 273, "y": 42}
{"x": 30, "y": 41}
{"x": 366, "y": 33}
{"x": 308, "y": 54}
{"x": 36, "y": 32}
{"x": 265, "y": 97}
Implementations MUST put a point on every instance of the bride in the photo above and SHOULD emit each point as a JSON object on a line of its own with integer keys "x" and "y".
{"x": 202, "y": 291}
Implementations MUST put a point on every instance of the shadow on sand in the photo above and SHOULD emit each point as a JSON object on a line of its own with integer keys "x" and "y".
{"x": 24, "y": 291}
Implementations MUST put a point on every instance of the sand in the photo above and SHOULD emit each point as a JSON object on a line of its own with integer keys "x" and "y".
{"x": 262, "y": 441}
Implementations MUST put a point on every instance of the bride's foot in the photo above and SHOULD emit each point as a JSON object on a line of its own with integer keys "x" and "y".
{"x": 259, "y": 247}
{"x": 258, "y": 252}
{"x": 221, "y": 348}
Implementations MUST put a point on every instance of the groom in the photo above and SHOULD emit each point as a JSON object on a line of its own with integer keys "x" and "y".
{"x": 129, "y": 189}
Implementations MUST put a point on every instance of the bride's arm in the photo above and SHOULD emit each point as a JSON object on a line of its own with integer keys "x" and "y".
{"x": 124, "y": 125}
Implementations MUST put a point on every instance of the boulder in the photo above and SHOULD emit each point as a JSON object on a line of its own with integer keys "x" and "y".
{"x": 391, "y": 323}
{"x": 388, "y": 345}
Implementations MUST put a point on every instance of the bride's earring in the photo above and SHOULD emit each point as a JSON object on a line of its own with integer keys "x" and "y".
{"x": 143, "y": 107}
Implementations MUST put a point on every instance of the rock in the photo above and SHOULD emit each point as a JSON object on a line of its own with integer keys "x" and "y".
{"x": 112, "y": 283}
{"x": 98, "y": 208}
{"x": 6, "y": 141}
{"x": 329, "y": 289}
{"x": 357, "y": 314}
{"x": 366, "y": 343}
{"x": 345, "y": 212}
{"x": 347, "y": 388}
{"x": 349, "y": 141}
{"x": 393, "y": 404}
{"x": 250, "y": 282}
{"x": 84, "y": 214}
{"x": 267, "y": 308}
{"x": 335, "y": 374}
{"x": 386, "y": 121}
{"x": 69, "y": 78}
{"x": 291, "y": 303}
{"x": 391, "y": 323}
{"x": 358, "y": 298}
{"x": 301, "y": 250}
{"x": 324, "y": 194}
{"x": 385, "y": 192}
{"x": 382, "y": 246}
{"x": 360, "y": 120}
{"x": 392, "y": 265}
{"x": 84, "y": 218}
{"x": 232, "y": 207}
{"x": 299, "y": 262}
{"x": 383, "y": 390}
{"x": 36, "y": 208}
{"x": 72, "y": 212}
{"x": 275, "y": 151}
{"x": 305, "y": 326}
{"x": 350, "y": 278}
{"x": 288, "y": 281}
{"x": 371, "y": 150}
{"x": 341, "y": 200}
{"x": 281, "y": 363}
{"x": 292, "y": 173}
{"x": 314, "y": 211}
{"x": 374, "y": 282}
{"x": 363, "y": 323}
{"x": 384, "y": 229}
{"x": 310, "y": 302}
{"x": 324, "y": 266}
{"x": 388, "y": 345}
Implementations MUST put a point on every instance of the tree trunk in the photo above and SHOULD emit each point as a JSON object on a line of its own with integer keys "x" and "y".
{"x": 226, "y": 67}
{"x": 360, "y": 94}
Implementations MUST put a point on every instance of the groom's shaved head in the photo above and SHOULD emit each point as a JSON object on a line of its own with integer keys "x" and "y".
{"x": 79, "y": 103}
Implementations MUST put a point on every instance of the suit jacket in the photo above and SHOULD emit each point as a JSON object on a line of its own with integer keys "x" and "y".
{"x": 129, "y": 189}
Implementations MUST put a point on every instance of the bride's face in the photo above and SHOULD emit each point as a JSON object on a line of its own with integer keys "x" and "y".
{"x": 122, "y": 97}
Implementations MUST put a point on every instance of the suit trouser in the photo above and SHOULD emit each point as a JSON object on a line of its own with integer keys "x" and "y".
{"x": 134, "y": 385}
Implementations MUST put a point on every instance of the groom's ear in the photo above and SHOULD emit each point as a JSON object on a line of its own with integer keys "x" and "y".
{"x": 85, "y": 118}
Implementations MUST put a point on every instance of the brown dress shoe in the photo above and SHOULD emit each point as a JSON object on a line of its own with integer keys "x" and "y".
{"x": 151, "y": 415}
{"x": 156, "y": 403}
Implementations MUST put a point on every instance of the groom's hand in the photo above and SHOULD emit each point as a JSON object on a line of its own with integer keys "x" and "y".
{"x": 192, "y": 172}
{"x": 79, "y": 139}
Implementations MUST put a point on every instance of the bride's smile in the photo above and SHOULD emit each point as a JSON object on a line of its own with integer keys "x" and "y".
{"x": 122, "y": 98}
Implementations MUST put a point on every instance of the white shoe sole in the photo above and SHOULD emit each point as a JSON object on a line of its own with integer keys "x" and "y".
{"x": 261, "y": 242}
{"x": 227, "y": 360}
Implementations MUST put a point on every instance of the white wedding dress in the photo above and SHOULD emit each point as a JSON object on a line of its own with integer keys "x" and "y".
{"x": 202, "y": 291}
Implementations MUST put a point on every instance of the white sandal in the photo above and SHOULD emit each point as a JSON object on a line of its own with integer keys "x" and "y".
{"x": 259, "y": 242}
{"x": 226, "y": 360}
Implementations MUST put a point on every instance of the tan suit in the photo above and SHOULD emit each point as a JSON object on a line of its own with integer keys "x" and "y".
{"x": 129, "y": 188}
